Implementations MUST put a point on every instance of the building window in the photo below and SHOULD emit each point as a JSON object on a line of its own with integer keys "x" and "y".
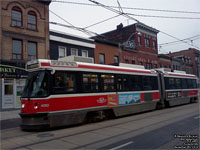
{"x": 17, "y": 49}
{"x": 101, "y": 58}
{"x": 154, "y": 44}
{"x": 126, "y": 61}
{"x": 139, "y": 40}
{"x": 61, "y": 51}
{"x": 148, "y": 66}
{"x": 155, "y": 66}
{"x": 197, "y": 59}
{"x": 133, "y": 61}
{"x": 84, "y": 53}
{"x": 31, "y": 20}
{"x": 147, "y": 42}
{"x": 8, "y": 89}
{"x": 74, "y": 52}
{"x": 141, "y": 63}
{"x": 32, "y": 50}
{"x": 116, "y": 59}
{"x": 16, "y": 17}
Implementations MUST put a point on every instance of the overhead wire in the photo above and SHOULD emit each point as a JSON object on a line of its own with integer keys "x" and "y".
{"x": 169, "y": 17}
{"x": 113, "y": 10}
{"x": 142, "y": 9}
{"x": 101, "y": 21}
{"x": 72, "y": 26}
{"x": 119, "y": 13}
{"x": 127, "y": 16}
{"x": 175, "y": 42}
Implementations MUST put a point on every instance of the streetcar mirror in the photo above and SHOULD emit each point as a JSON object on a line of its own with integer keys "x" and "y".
{"x": 52, "y": 71}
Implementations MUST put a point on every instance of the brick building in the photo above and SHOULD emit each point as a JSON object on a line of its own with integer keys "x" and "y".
{"x": 106, "y": 52}
{"x": 137, "y": 44}
{"x": 164, "y": 61}
{"x": 24, "y": 35}
{"x": 190, "y": 59}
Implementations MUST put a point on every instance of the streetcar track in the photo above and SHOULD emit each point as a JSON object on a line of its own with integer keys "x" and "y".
{"x": 92, "y": 130}
{"x": 157, "y": 123}
{"x": 128, "y": 132}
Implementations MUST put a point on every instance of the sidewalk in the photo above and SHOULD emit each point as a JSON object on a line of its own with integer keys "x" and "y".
{"x": 12, "y": 114}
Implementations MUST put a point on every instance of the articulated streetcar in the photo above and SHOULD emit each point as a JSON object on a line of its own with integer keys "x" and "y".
{"x": 177, "y": 87}
{"x": 60, "y": 93}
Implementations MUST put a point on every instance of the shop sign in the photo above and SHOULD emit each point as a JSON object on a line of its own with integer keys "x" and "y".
{"x": 7, "y": 71}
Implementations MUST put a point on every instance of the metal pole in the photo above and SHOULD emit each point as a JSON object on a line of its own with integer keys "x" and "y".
{"x": 120, "y": 55}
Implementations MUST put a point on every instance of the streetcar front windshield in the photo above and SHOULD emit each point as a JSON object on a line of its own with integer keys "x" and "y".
{"x": 36, "y": 85}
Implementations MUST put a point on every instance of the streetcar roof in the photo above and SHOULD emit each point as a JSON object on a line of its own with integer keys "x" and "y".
{"x": 81, "y": 66}
{"x": 182, "y": 75}
{"x": 175, "y": 73}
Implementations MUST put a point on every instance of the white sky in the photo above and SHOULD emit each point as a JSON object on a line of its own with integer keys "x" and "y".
{"x": 82, "y": 16}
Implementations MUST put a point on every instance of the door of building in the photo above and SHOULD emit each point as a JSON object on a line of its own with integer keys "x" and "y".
{"x": 20, "y": 83}
{"x": 8, "y": 94}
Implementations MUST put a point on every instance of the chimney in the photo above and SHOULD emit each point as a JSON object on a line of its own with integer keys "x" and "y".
{"x": 120, "y": 26}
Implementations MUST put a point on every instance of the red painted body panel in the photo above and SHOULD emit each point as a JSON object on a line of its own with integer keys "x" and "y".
{"x": 156, "y": 96}
{"x": 45, "y": 64}
{"x": 70, "y": 103}
{"x": 65, "y": 103}
{"x": 142, "y": 97}
{"x": 192, "y": 92}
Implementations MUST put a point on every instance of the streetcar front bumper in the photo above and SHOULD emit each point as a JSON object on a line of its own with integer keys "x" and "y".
{"x": 34, "y": 121}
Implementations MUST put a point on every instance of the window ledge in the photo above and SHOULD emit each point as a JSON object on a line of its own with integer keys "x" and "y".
{"x": 35, "y": 30}
{"x": 20, "y": 27}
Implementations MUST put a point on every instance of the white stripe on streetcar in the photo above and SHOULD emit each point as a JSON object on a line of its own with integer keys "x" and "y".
{"x": 118, "y": 147}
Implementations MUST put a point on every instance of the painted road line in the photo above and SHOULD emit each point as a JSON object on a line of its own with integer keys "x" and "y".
{"x": 197, "y": 117}
{"x": 118, "y": 147}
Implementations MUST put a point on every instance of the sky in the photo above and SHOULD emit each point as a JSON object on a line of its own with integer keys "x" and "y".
{"x": 171, "y": 29}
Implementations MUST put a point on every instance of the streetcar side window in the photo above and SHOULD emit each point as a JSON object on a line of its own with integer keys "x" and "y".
{"x": 192, "y": 83}
{"x": 170, "y": 83}
{"x": 107, "y": 82}
{"x": 90, "y": 83}
{"x": 155, "y": 83}
{"x": 178, "y": 83}
{"x": 135, "y": 83}
{"x": 63, "y": 82}
{"x": 189, "y": 83}
{"x": 147, "y": 83}
{"x": 184, "y": 83}
{"x": 122, "y": 83}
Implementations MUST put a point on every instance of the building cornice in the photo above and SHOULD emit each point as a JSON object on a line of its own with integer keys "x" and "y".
{"x": 19, "y": 35}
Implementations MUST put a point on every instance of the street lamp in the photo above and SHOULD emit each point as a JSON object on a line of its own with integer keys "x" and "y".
{"x": 128, "y": 43}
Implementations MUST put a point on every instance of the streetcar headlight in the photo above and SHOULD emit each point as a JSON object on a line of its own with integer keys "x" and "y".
{"x": 36, "y": 106}
{"x": 23, "y": 105}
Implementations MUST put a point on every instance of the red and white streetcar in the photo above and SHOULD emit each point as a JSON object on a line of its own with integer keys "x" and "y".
{"x": 60, "y": 92}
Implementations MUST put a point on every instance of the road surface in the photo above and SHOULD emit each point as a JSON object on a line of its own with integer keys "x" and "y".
{"x": 171, "y": 128}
